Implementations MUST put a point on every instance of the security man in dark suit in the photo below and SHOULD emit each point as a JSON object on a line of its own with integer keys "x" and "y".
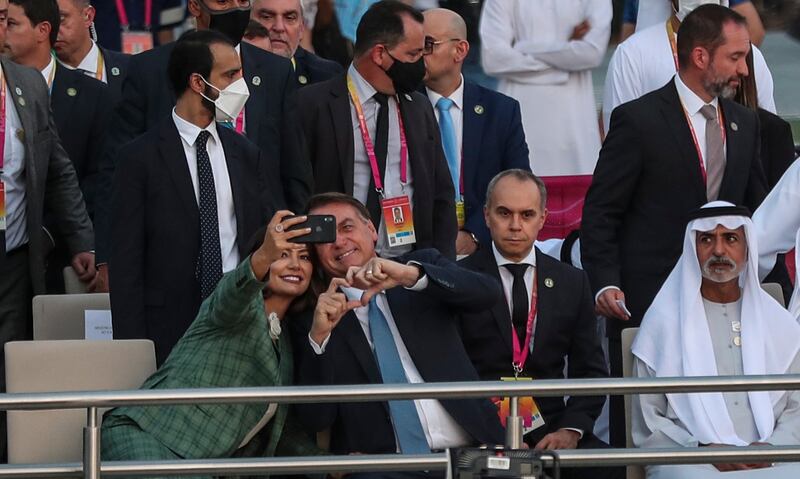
{"x": 481, "y": 129}
{"x": 391, "y": 321}
{"x": 76, "y": 49}
{"x": 188, "y": 195}
{"x": 546, "y": 318}
{"x": 268, "y": 120}
{"x": 371, "y": 134}
{"x": 283, "y": 20}
{"x": 666, "y": 154}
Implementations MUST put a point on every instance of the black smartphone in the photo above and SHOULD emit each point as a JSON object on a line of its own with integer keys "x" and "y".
{"x": 323, "y": 229}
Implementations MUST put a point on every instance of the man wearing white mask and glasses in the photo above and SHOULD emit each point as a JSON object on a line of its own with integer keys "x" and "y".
{"x": 187, "y": 196}
{"x": 712, "y": 318}
{"x": 648, "y": 59}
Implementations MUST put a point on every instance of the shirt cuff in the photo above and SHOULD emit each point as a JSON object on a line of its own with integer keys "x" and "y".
{"x": 422, "y": 282}
{"x": 316, "y": 347}
{"x": 602, "y": 290}
{"x": 579, "y": 431}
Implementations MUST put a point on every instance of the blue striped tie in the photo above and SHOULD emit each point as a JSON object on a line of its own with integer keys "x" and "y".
{"x": 407, "y": 426}
{"x": 448, "y": 132}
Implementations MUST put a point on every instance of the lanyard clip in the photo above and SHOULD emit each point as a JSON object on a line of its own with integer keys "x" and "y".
{"x": 517, "y": 369}
{"x": 380, "y": 193}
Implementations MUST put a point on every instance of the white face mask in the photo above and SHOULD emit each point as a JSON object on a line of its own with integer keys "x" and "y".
{"x": 685, "y": 7}
{"x": 230, "y": 101}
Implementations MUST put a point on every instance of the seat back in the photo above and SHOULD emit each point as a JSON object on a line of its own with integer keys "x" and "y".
{"x": 61, "y": 316}
{"x": 52, "y": 436}
{"x": 628, "y": 335}
{"x": 72, "y": 284}
{"x": 774, "y": 290}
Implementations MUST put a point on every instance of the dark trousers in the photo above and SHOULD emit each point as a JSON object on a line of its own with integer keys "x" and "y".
{"x": 15, "y": 313}
{"x": 588, "y": 441}
{"x": 616, "y": 420}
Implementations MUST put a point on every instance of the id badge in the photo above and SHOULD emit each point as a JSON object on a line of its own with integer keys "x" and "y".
{"x": 461, "y": 216}
{"x": 136, "y": 41}
{"x": 2, "y": 206}
{"x": 399, "y": 220}
{"x": 528, "y": 409}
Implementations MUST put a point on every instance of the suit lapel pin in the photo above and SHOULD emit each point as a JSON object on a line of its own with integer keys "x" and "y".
{"x": 408, "y": 97}
{"x": 734, "y": 126}
{"x": 549, "y": 282}
{"x": 72, "y": 91}
{"x": 479, "y": 110}
{"x": 20, "y": 134}
{"x": 21, "y": 101}
{"x": 115, "y": 71}
{"x": 256, "y": 80}
{"x": 302, "y": 79}
{"x": 18, "y": 91}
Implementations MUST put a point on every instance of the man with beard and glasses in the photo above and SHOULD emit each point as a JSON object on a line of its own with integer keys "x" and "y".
{"x": 269, "y": 119}
{"x": 666, "y": 154}
{"x": 712, "y": 318}
{"x": 188, "y": 195}
{"x": 371, "y": 135}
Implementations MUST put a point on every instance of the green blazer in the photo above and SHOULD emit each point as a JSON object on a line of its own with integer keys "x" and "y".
{"x": 227, "y": 345}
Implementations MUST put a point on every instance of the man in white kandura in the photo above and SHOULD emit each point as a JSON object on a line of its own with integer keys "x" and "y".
{"x": 544, "y": 52}
{"x": 648, "y": 59}
{"x": 712, "y": 318}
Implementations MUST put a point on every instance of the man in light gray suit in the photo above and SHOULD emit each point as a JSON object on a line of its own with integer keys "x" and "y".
{"x": 35, "y": 174}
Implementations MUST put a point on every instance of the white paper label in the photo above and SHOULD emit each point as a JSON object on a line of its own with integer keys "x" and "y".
{"x": 98, "y": 324}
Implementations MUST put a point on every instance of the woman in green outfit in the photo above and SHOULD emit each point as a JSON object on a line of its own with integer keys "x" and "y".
{"x": 235, "y": 341}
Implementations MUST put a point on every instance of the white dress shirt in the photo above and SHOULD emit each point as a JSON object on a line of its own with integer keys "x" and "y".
{"x": 362, "y": 172}
{"x": 90, "y": 63}
{"x": 441, "y": 430}
{"x": 13, "y": 175}
{"x": 457, "y": 114}
{"x": 226, "y": 215}
{"x": 48, "y": 71}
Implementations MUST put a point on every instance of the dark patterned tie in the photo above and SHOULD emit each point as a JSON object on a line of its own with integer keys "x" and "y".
{"x": 381, "y": 147}
{"x": 209, "y": 263}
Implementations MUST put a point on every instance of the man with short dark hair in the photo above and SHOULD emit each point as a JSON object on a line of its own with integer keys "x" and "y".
{"x": 283, "y": 20}
{"x": 667, "y": 153}
{"x": 255, "y": 34}
{"x": 545, "y": 319}
{"x": 371, "y": 134}
{"x": 188, "y": 195}
{"x": 391, "y": 321}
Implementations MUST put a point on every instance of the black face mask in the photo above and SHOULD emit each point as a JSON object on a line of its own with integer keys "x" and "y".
{"x": 406, "y": 76}
{"x": 232, "y": 22}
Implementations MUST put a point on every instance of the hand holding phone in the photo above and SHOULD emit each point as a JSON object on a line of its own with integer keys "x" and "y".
{"x": 323, "y": 229}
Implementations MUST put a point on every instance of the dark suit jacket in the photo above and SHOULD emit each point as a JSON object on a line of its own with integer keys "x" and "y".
{"x": 328, "y": 128}
{"x": 646, "y": 181}
{"x": 566, "y": 327}
{"x": 50, "y": 182}
{"x": 310, "y": 68}
{"x": 493, "y": 141}
{"x": 270, "y": 122}
{"x": 81, "y": 108}
{"x": 116, "y": 71}
{"x": 156, "y": 231}
{"x": 426, "y": 321}
{"x": 777, "y": 145}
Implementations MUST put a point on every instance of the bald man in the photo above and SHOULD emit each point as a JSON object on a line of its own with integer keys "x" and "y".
{"x": 481, "y": 129}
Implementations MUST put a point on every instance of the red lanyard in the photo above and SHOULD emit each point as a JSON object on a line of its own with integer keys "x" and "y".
{"x": 123, "y": 15}
{"x": 370, "y": 147}
{"x": 521, "y": 352}
{"x": 674, "y": 46}
{"x": 2, "y": 120}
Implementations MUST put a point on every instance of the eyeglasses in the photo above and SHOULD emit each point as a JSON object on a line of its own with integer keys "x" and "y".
{"x": 430, "y": 43}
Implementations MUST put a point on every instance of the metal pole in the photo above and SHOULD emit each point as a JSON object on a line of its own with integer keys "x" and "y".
{"x": 91, "y": 446}
{"x": 514, "y": 426}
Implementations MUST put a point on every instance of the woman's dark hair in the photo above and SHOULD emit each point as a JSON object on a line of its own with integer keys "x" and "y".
{"x": 747, "y": 93}
{"x": 316, "y": 285}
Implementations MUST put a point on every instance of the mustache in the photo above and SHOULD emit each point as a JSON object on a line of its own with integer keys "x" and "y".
{"x": 716, "y": 260}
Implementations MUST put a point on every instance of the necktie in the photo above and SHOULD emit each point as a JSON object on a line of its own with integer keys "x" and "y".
{"x": 715, "y": 155}
{"x": 381, "y": 146}
{"x": 407, "y": 426}
{"x": 209, "y": 263}
{"x": 519, "y": 299}
{"x": 448, "y": 132}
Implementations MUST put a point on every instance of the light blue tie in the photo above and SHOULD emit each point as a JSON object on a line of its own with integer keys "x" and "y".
{"x": 449, "y": 139}
{"x": 407, "y": 426}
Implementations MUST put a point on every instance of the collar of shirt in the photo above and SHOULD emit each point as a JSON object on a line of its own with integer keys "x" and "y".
{"x": 691, "y": 101}
{"x": 48, "y": 69}
{"x": 364, "y": 90}
{"x": 502, "y": 260}
{"x": 89, "y": 62}
{"x": 189, "y": 131}
{"x": 457, "y": 96}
